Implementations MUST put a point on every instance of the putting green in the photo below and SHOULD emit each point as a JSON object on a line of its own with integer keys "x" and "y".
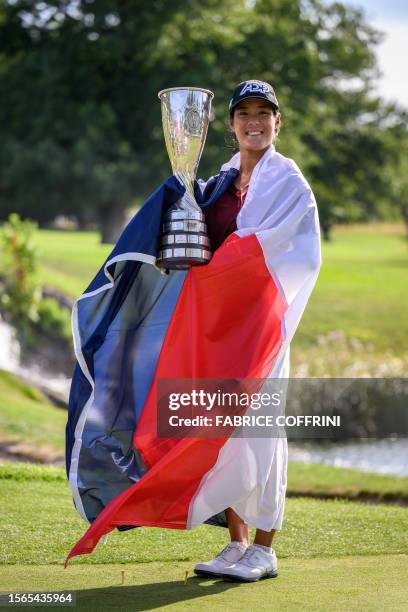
{"x": 345, "y": 583}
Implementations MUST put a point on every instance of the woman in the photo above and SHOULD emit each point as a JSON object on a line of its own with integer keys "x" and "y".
{"x": 231, "y": 319}
{"x": 255, "y": 121}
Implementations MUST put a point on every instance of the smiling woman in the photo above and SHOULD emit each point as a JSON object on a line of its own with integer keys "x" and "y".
{"x": 231, "y": 319}
{"x": 256, "y": 125}
{"x": 255, "y": 121}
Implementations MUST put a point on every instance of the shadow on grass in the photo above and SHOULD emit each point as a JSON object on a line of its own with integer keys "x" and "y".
{"x": 149, "y": 596}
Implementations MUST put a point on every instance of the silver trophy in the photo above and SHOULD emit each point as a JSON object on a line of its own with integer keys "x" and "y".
{"x": 185, "y": 114}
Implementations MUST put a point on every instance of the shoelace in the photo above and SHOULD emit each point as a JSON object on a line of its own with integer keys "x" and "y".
{"x": 248, "y": 554}
{"x": 227, "y": 548}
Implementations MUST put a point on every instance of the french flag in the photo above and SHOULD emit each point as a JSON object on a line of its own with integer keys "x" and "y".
{"x": 231, "y": 319}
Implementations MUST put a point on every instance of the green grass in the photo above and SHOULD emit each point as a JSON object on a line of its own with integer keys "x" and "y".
{"x": 361, "y": 294}
{"x": 39, "y": 525}
{"x": 69, "y": 260}
{"x": 28, "y": 418}
{"x": 333, "y": 555}
{"x": 342, "y": 584}
{"x": 362, "y": 290}
{"x": 328, "y": 481}
{"x": 31, "y": 472}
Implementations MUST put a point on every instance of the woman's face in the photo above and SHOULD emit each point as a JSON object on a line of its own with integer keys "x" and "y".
{"x": 254, "y": 124}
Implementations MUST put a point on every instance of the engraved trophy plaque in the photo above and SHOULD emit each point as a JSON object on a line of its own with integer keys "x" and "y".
{"x": 185, "y": 114}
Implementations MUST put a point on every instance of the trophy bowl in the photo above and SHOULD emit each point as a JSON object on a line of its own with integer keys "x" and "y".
{"x": 185, "y": 114}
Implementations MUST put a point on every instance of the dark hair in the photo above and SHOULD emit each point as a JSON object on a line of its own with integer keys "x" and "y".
{"x": 275, "y": 110}
{"x": 231, "y": 141}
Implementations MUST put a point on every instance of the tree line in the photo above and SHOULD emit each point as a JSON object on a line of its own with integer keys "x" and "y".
{"x": 80, "y": 121}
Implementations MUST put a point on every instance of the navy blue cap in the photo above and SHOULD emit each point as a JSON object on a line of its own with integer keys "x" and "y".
{"x": 253, "y": 89}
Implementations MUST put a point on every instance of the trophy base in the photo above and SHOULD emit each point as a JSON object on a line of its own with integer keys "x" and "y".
{"x": 182, "y": 258}
{"x": 184, "y": 242}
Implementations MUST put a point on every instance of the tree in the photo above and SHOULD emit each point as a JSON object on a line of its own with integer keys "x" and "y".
{"x": 81, "y": 127}
{"x": 396, "y": 170}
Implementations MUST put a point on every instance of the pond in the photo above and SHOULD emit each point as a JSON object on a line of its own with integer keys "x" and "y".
{"x": 388, "y": 456}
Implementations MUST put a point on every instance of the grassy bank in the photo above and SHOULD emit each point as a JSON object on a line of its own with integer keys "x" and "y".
{"x": 304, "y": 480}
{"x": 29, "y": 424}
{"x": 327, "y": 481}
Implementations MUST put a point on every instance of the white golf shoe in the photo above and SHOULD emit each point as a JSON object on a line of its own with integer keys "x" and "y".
{"x": 254, "y": 564}
{"x": 229, "y": 555}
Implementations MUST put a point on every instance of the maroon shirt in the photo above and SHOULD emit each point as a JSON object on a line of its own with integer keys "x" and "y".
{"x": 221, "y": 216}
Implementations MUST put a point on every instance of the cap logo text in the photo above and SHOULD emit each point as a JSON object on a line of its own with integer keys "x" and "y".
{"x": 254, "y": 87}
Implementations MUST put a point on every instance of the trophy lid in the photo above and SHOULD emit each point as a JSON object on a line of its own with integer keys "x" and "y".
{"x": 207, "y": 91}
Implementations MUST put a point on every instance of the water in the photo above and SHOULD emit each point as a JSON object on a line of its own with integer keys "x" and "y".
{"x": 9, "y": 347}
{"x": 380, "y": 456}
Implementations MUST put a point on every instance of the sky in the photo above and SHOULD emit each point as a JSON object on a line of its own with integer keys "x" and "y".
{"x": 391, "y": 17}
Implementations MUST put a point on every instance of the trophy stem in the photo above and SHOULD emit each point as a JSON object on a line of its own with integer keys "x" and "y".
{"x": 187, "y": 201}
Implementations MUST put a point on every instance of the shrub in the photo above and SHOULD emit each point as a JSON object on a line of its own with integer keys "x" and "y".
{"x": 21, "y": 295}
